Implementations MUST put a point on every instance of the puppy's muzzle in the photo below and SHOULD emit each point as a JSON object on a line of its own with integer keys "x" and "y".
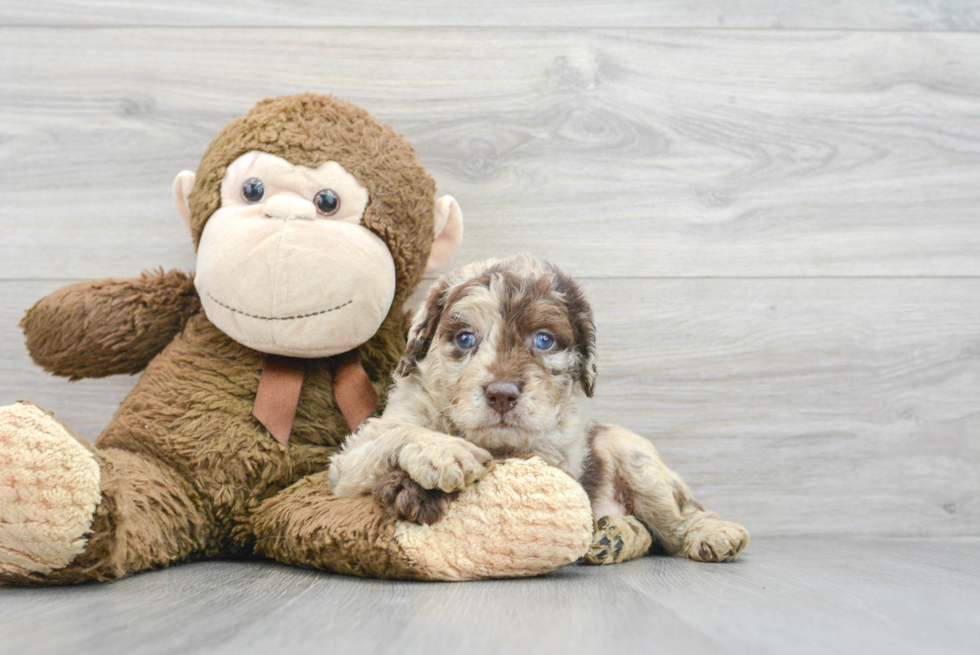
{"x": 502, "y": 396}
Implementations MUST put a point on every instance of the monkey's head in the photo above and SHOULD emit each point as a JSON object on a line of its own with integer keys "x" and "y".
{"x": 312, "y": 220}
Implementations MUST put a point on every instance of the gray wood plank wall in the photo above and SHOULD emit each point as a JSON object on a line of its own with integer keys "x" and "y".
{"x": 774, "y": 206}
{"x": 942, "y": 15}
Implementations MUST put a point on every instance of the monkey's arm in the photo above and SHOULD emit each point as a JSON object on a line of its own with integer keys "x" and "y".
{"x": 108, "y": 327}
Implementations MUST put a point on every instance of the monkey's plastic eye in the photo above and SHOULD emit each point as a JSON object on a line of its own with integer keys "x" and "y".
{"x": 253, "y": 190}
{"x": 327, "y": 202}
{"x": 543, "y": 341}
{"x": 465, "y": 340}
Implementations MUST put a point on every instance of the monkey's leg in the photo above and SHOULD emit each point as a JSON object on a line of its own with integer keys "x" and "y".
{"x": 523, "y": 518}
{"x": 71, "y": 513}
{"x": 661, "y": 500}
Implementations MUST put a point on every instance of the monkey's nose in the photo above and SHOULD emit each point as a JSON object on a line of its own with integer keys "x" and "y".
{"x": 502, "y": 396}
{"x": 287, "y": 208}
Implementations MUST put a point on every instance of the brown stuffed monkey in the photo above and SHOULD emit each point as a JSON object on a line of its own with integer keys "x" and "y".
{"x": 313, "y": 225}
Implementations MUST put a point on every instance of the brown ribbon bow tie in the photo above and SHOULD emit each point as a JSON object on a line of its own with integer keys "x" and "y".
{"x": 282, "y": 380}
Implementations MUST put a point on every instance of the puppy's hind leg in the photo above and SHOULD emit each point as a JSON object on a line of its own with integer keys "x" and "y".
{"x": 661, "y": 500}
{"x": 618, "y": 538}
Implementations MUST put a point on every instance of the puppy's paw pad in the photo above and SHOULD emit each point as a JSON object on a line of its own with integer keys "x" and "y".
{"x": 409, "y": 500}
{"x": 607, "y": 544}
{"x": 714, "y": 540}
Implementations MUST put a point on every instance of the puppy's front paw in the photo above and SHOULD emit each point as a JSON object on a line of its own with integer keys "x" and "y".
{"x": 409, "y": 500}
{"x": 447, "y": 463}
{"x": 714, "y": 540}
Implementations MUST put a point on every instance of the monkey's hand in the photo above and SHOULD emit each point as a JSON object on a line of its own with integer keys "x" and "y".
{"x": 108, "y": 327}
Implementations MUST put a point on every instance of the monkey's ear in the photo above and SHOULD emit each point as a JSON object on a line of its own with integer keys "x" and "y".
{"x": 183, "y": 184}
{"x": 448, "y": 233}
{"x": 423, "y": 328}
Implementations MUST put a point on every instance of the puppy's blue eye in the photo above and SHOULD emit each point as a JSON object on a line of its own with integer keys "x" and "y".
{"x": 253, "y": 189}
{"x": 465, "y": 340}
{"x": 543, "y": 341}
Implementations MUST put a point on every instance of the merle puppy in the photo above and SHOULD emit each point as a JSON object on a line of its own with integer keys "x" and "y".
{"x": 495, "y": 358}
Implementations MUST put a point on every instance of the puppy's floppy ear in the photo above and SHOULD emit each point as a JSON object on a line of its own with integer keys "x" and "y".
{"x": 580, "y": 316}
{"x": 423, "y": 328}
{"x": 586, "y": 345}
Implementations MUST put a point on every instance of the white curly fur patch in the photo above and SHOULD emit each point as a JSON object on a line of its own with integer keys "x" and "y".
{"x": 49, "y": 489}
{"x": 505, "y": 526}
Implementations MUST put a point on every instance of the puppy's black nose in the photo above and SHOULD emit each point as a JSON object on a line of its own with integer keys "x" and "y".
{"x": 502, "y": 396}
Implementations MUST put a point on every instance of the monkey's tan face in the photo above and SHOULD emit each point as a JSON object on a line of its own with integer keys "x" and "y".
{"x": 284, "y": 266}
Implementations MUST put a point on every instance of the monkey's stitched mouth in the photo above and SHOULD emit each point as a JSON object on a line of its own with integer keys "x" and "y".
{"x": 279, "y": 318}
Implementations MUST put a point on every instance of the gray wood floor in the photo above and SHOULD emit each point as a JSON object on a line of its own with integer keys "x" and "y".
{"x": 803, "y": 595}
{"x": 775, "y": 207}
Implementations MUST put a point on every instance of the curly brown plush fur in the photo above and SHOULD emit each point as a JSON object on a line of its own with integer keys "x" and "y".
{"x": 184, "y": 464}
{"x": 109, "y": 327}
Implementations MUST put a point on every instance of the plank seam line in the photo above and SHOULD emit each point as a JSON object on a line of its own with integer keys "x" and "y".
{"x": 495, "y": 27}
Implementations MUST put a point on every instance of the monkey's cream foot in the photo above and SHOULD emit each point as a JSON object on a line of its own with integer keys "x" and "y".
{"x": 713, "y": 540}
{"x": 49, "y": 489}
{"x": 523, "y": 518}
{"x": 618, "y": 539}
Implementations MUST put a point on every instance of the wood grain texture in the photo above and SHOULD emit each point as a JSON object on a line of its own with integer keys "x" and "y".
{"x": 793, "y": 406}
{"x": 621, "y": 152}
{"x": 844, "y": 595}
{"x": 770, "y": 14}
{"x": 780, "y": 230}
